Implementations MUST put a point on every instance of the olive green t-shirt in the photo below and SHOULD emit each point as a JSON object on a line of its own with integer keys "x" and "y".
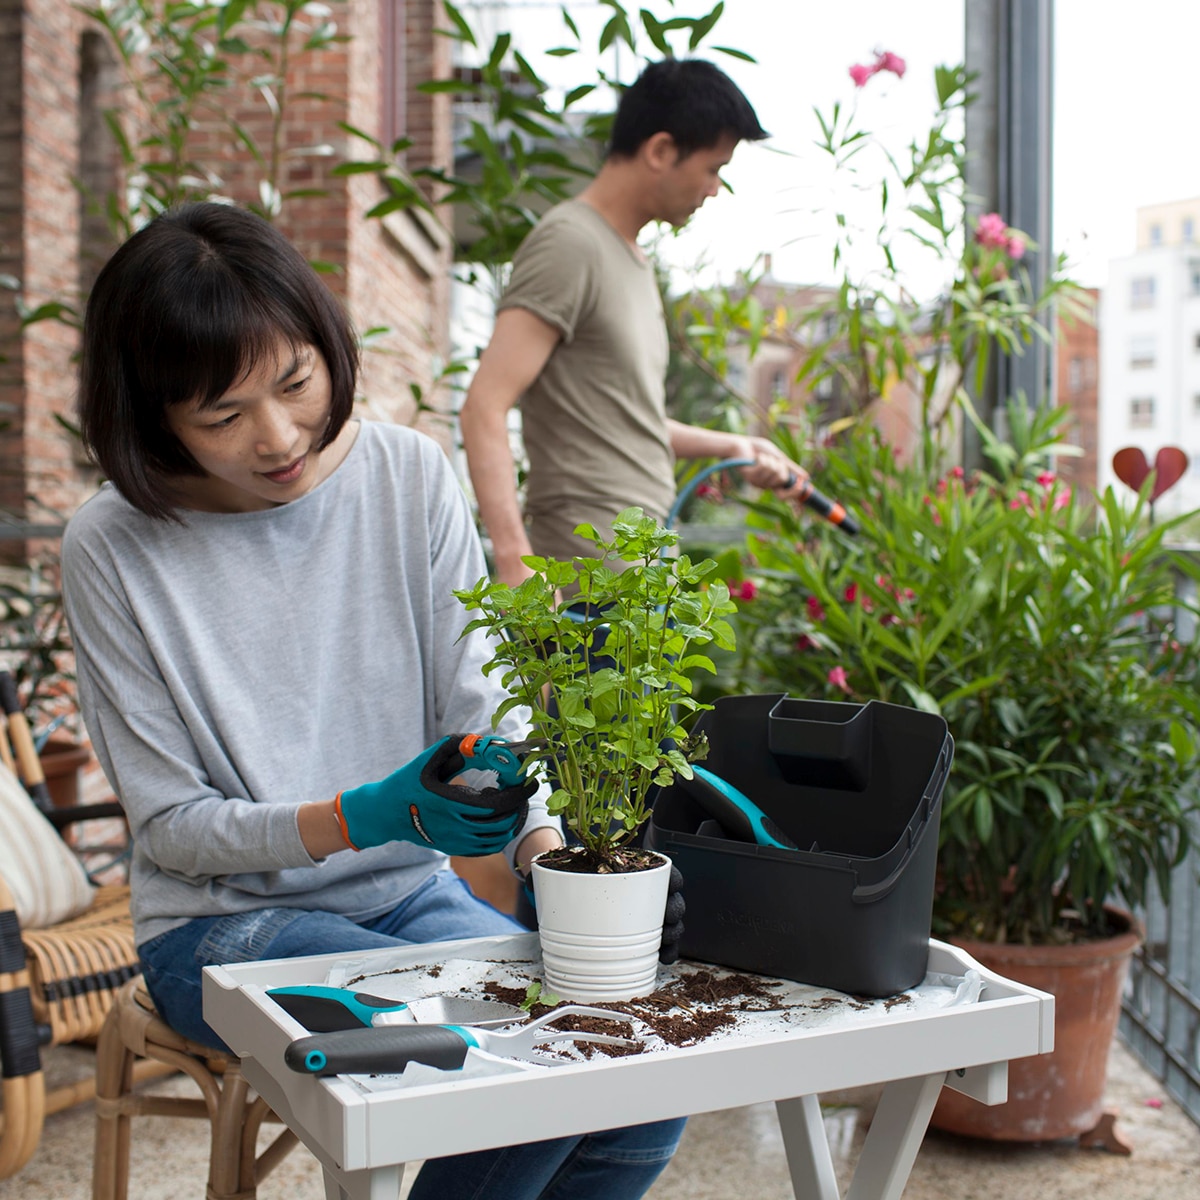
{"x": 594, "y": 422}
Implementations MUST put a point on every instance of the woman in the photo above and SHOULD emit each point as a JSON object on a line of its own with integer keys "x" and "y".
{"x": 261, "y": 602}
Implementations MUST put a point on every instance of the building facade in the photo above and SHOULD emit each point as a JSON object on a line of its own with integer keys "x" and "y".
{"x": 60, "y": 77}
{"x": 1077, "y": 388}
{"x": 1150, "y": 348}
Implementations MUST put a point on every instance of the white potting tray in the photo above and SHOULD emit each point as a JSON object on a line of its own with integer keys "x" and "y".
{"x": 961, "y": 1026}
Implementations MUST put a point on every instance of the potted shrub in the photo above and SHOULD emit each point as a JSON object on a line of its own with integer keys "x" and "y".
{"x": 609, "y": 691}
{"x": 1041, "y": 627}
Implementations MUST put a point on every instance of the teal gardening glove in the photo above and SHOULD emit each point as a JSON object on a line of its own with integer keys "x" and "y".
{"x": 416, "y": 804}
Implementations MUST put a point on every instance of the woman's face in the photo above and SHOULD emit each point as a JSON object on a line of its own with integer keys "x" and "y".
{"x": 258, "y": 444}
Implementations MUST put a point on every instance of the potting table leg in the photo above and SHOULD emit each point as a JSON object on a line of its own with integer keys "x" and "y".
{"x": 807, "y": 1148}
{"x": 895, "y": 1136}
{"x": 381, "y": 1183}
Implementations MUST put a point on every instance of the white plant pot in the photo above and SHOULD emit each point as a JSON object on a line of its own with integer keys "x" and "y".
{"x": 600, "y": 934}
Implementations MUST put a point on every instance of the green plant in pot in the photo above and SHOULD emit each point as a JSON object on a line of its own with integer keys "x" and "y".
{"x": 1040, "y": 626}
{"x": 610, "y": 695}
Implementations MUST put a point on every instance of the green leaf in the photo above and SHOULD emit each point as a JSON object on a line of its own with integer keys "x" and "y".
{"x": 462, "y": 31}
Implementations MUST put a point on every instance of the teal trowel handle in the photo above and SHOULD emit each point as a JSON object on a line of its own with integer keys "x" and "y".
{"x": 322, "y": 1009}
{"x": 740, "y": 817}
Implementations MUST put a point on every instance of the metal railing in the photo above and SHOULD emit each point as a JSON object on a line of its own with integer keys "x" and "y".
{"x": 1160, "y": 1012}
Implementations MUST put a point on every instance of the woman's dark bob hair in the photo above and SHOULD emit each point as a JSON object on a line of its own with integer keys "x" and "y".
{"x": 184, "y": 310}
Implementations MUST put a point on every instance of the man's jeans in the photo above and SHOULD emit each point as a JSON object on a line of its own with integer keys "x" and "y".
{"x": 610, "y": 1165}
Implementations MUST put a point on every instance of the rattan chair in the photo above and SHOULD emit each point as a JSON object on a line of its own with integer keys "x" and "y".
{"x": 134, "y": 1035}
{"x": 58, "y": 983}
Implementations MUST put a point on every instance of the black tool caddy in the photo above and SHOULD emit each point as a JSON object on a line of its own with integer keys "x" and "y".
{"x": 858, "y": 787}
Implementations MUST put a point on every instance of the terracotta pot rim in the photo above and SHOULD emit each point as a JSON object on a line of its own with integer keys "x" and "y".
{"x": 1096, "y": 950}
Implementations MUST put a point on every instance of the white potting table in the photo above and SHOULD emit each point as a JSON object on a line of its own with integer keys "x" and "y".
{"x": 363, "y": 1137}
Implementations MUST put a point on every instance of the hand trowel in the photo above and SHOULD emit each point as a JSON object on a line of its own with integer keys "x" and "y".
{"x": 324, "y": 1009}
{"x": 735, "y": 812}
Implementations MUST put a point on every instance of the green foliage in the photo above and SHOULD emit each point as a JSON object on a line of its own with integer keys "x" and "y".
{"x": 181, "y": 59}
{"x": 610, "y": 694}
{"x": 872, "y": 332}
{"x": 1041, "y": 628}
{"x": 528, "y": 147}
{"x": 535, "y": 994}
{"x": 35, "y": 643}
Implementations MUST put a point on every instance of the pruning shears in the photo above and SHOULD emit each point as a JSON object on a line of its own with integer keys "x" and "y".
{"x": 488, "y": 752}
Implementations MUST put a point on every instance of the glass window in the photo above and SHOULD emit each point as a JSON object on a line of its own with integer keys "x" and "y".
{"x": 1141, "y": 412}
{"x": 1189, "y": 229}
{"x": 1141, "y": 292}
{"x": 1156, "y": 235}
{"x": 1141, "y": 350}
{"x": 1075, "y": 374}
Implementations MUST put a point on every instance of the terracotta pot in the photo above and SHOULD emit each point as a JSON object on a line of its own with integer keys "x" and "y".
{"x": 1061, "y": 1094}
{"x": 62, "y": 759}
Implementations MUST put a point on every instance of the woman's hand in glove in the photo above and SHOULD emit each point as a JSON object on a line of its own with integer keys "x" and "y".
{"x": 417, "y": 804}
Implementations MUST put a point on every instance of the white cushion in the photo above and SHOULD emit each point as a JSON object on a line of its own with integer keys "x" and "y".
{"x": 48, "y": 883}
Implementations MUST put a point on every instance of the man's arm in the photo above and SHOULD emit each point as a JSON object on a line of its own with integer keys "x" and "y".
{"x": 520, "y": 347}
{"x": 771, "y": 467}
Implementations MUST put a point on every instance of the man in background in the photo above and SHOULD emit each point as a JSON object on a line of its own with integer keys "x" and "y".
{"x": 580, "y": 340}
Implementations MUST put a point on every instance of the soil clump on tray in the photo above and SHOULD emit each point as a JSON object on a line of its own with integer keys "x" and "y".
{"x": 682, "y": 1012}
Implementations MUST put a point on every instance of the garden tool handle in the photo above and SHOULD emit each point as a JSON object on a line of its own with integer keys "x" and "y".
{"x": 380, "y": 1050}
{"x": 322, "y": 1009}
{"x": 487, "y": 752}
{"x": 739, "y": 815}
{"x": 29, "y": 766}
{"x": 831, "y": 510}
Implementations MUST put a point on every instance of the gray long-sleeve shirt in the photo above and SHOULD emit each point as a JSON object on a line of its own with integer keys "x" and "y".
{"x": 238, "y": 665}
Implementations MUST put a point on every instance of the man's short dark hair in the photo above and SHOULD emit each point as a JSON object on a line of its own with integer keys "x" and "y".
{"x": 183, "y": 311}
{"x": 692, "y": 100}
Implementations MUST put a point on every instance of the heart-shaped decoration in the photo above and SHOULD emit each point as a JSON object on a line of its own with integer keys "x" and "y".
{"x": 1169, "y": 465}
{"x": 1132, "y": 469}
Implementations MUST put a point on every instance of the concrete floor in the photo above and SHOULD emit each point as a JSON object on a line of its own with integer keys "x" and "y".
{"x": 733, "y": 1154}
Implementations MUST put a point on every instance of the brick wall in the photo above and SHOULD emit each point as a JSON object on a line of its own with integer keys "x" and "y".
{"x": 11, "y": 249}
{"x": 1077, "y": 383}
{"x": 413, "y": 296}
{"x": 41, "y": 247}
{"x": 395, "y": 276}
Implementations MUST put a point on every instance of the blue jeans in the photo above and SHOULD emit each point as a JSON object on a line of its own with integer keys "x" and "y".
{"x": 609, "y": 1165}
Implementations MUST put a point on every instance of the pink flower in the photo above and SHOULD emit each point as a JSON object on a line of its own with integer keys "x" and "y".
{"x": 706, "y": 491}
{"x": 748, "y": 590}
{"x": 957, "y": 472}
{"x": 1015, "y": 246}
{"x": 1047, "y": 478}
{"x": 1021, "y": 500}
{"x": 815, "y": 611}
{"x": 889, "y": 619}
{"x": 804, "y": 642}
{"x": 885, "y": 60}
{"x": 1062, "y": 497}
{"x": 851, "y": 593}
{"x": 991, "y": 231}
{"x": 837, "y": 677}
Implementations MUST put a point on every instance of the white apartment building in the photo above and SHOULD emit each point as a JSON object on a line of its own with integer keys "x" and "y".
{"x": 1150, "y": 348}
